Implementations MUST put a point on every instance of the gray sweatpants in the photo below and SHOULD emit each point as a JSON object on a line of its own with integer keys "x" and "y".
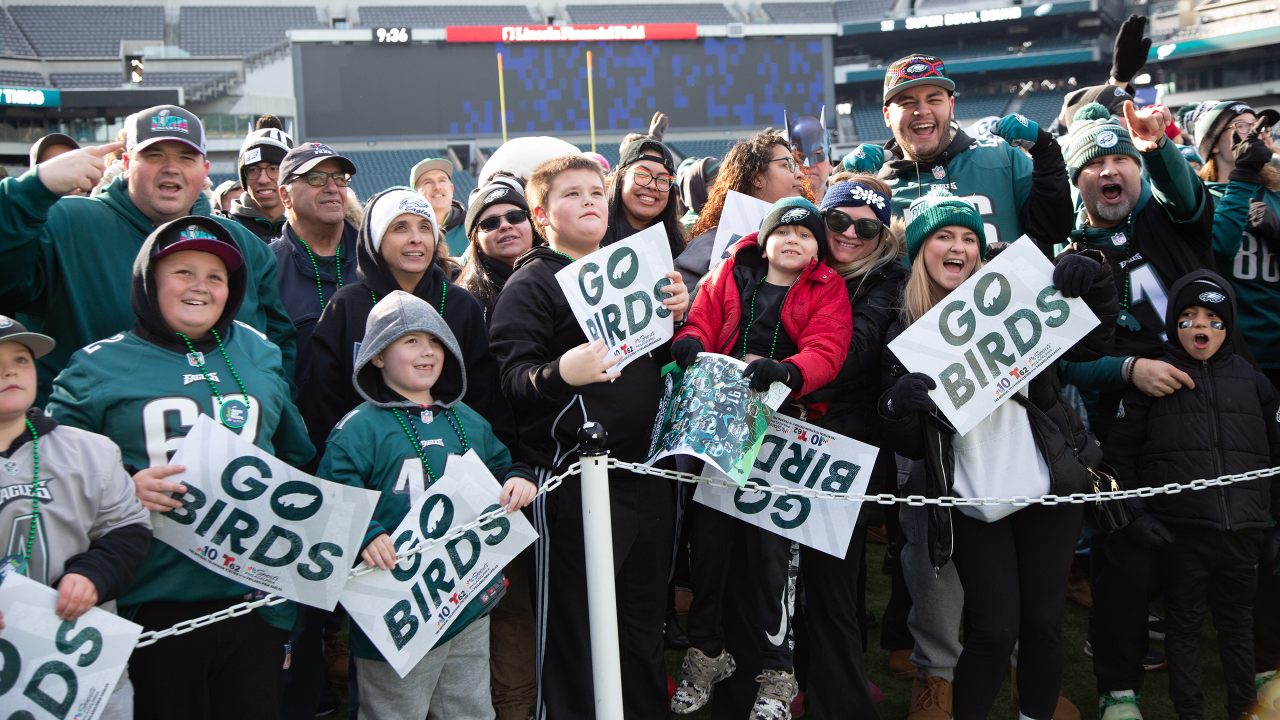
{"x": 451, "y": 682}
{"x": 937, "y": 600}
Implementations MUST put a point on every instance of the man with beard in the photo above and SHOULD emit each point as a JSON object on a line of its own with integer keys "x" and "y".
{"x": 1014, "y": 193}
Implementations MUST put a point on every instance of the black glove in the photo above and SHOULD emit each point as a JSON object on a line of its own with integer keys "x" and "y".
{"x": 1149, "y": 532}
{"x": 1251, "y": 155}
{"x": 994, "y": 248}
{"x": 1263, "y": 225}
{"x": 1130, "y": 51}
{"x": 765, "y": 372}
{"x": 1074, "y": 274}
{"x": 909, "y": 394}
{"x": 685, "y": 352}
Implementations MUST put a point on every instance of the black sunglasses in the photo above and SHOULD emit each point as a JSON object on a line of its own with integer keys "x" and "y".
{"x": 493, "y": 222}
{"x": 866, "y": 228}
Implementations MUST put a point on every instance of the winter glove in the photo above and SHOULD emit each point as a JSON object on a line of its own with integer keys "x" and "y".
{"x": 909, "y": 394}
{"x": 685, "y": 351}
{"x": 1264, "y": 225}
{"x": 1130, "y": 51}
{"x": 660, "y": 122}
{"x": 1271, "y": 551}
{"x": 1074, "y": 274}
{"x": 1017, "y": 130}
{"x": 1149, "y": 532}
{"x": 1251, "y": 155}
{"x": 994, "y": 248}
{"x": 765, "y": 372}
{"x": 864, "y": 158}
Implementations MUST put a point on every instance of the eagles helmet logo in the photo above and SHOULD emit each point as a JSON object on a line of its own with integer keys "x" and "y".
{"x": 917, "y": 68}
{"x": 500, "y": 192}
{"x": 1107, "y": 139}
{"x": 5, "y": 322}
{"x": 793, "y": 215}
{"x": 1212, "y": 297}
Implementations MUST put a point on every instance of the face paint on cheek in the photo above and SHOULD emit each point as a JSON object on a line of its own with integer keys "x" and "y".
{"x": 1217, "y": 325}
{"x": 1185, "y": 324}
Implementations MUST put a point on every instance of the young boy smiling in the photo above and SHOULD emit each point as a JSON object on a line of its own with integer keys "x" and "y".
{"x": 1208, "y": 542}
{"x": 556, "y": 381}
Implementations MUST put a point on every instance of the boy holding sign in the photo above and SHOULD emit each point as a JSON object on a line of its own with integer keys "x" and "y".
{"x": 556, "y": 381}
{"x": 777, "y": 305}
{"x": 411, "y": 374}
{"x": 69, "y": 510}
{"x": 144, "y": 389}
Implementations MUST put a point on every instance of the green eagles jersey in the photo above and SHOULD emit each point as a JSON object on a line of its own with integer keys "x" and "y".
{"x": 1251, "y": 267}
{"x": 370, "y": 449}
{"x": 990, "y": 174}
{"x": 146, "y": 398}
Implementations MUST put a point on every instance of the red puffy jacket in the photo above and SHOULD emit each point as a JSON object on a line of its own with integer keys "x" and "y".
{"x": 816, "y": 315}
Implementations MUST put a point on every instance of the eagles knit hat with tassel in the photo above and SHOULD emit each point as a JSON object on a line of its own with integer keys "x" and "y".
{"x": 1094, "y": 134}
{"x": 794, "y": 211}
{"x": 934, "y": 212}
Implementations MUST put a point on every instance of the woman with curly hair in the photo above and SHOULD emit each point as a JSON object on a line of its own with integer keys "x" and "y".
{"x": 763, "y": 167}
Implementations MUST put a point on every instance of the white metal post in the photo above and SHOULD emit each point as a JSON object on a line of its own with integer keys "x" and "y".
{"x": 602, "y": 607}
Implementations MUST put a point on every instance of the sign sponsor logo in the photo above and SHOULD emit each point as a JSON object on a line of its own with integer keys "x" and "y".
{"x": 570, "y": 33}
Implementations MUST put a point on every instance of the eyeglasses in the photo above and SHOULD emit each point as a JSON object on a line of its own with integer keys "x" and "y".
{"x": 317, "y": 178}
{"x": 1242, "y": 128}
{"x": 865, "y": 228}
{"x": 791, "y": 163}
{"x": 252, "y": 173}
{"x": 493, "y": 222}
{"x": 662, "y": 183}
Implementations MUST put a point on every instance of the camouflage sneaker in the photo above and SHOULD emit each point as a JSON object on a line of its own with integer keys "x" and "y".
{"x": 777, "y": 690}
{"x": 697, "y": 675}
{"x": 1124, "y": 707}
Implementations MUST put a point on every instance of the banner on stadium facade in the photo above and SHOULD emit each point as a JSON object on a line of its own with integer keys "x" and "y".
{"x": 55, "y": 669}
{"x": 616, "y": 294}
{"x": 799, "y": 456}
{"x": 993, "y": 334}
{"x": 715, "y": 416}
{"x": 411, "y": 608}
{"x": 741, "y": 216}
{"x": 252, "y": 518}
{"x": 570, "y": 33}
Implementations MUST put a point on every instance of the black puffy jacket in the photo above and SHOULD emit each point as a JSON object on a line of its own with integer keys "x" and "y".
{"x": 1226, "y": 424}
{"x": 875, "y": 297}
{"x": 927, "y": 436}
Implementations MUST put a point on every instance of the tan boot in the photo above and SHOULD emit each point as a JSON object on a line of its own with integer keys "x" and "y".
{"x": 900, "y": 664}
{"x": 930, "y": 699}
{"x": 1065, "y": 710}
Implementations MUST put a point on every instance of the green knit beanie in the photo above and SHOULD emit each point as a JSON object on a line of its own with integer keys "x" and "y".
{"x": 1094, "y": 134}
{"x": 933, "y": 212}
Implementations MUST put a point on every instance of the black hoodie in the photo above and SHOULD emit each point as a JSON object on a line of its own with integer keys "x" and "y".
{"x": 532, "y": 327}
{"x": 1226, "y": 424}
{"x": 337, "y": 336}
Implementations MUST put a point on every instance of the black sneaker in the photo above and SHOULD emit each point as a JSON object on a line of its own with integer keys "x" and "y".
{"x": 673, "y": 636}
{"x": 328, "y": 702}
{"x": 1155, "y": 627}
{"x": 1154, "y": 660}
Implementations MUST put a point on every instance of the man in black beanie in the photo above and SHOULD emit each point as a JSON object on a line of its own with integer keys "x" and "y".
{"x": 260, "y": 209}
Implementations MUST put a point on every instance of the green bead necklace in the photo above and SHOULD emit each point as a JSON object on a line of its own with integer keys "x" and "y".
{"x": 222, "y": 414}
{"x": 412, "y": 432}
{"x": 337, "y": 259}
{"x": 35, "y": 490}
{"x": 774, "y": 345}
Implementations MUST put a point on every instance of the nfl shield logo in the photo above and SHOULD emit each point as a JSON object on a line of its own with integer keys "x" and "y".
{"x": 939, "y": 172}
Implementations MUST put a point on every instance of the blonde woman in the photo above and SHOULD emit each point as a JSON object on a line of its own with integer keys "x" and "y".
{"x": 1012, "y": 562}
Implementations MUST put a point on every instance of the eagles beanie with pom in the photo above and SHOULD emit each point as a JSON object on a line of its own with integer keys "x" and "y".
{"x": 933, "y": 212}
{"x": 1211, "y": 121}
{"x": 1094, "y": 134}
{"x": 794, "y": 211}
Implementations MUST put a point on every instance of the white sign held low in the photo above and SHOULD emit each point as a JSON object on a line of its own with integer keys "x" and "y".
{"x": 52, "y": 669}
{"x": 741, "y": 216}
{"x": 616, "y": 294}
{"x": 406, "y": 610}
{"x": 993, "y": 334}
{"x": 798, "y": 455}
{"x": 260, "y": 522}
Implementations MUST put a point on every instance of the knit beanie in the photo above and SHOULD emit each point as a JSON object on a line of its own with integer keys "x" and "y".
{"x": 392, "y": 204}
{"x": 794, "y": 211}
{"x": 268, "y": 145}
{"x": 1212, "y": 121}
{"x": 1190, "y": 154}
{"x": 855, "y": 194}
{"x": 933, "y": 212}
{"x": 1208, "y": 292}
{"x": 493, "y": 194}
{"x": 1095, "y": 134}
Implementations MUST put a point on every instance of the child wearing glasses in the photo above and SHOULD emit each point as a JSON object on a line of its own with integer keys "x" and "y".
{"x": 776, "y": 304}
{"x": 640, "y": 195}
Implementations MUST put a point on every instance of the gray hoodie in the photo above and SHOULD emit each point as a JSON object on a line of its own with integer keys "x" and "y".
{"x": 395, "y": 316}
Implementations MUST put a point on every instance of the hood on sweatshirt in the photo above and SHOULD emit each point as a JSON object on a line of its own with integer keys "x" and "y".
{"x": 395, "y": 316}
{"x": 150, "y": 324}
{"x": 372, "y": 268}
{"x": 1217, "y": 291}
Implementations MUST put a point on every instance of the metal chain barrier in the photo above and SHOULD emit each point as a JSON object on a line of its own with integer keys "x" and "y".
{"x": 186, "y": 626}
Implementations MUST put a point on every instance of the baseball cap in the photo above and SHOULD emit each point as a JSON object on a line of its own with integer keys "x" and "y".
{"x": 307, "y": 155}
{"x": 197, "y": 232}
{"x": 38, "y": 344}
{"x": 444, "y": 164}
{"x": 163, "y": 122}
{"x": 915, "y": 70}
{"x": 647, "y": 149}
{"x": 49, "y": 141}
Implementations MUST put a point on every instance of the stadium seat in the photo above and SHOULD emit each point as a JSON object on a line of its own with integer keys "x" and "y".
{"x": 1043, "y": 106}
{"x": 219, "y": 30}
{"x": 12, "y": 41}
{"x": 862, "y": 10}
{"x": 436, "y": 16}
{"x": 702, "y": 13}
{"x": 805, "y": 12}
{"x": 21, "y": 78}
{"x": 86, "y": 30}
{"x": 703, "y": 148}
{"x": 974, "y": 107}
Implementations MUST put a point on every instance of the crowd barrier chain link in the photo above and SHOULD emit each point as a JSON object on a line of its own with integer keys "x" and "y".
{"x": 186, "y": 626}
